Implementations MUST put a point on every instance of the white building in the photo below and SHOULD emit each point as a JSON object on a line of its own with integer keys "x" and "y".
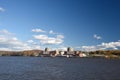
{"x": 46, "y": 52}
{"x": 62, "y": 53}
{"x": 70, "y": 51}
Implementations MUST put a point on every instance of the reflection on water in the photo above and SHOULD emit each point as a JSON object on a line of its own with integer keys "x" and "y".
{"x": 47, "y": 68}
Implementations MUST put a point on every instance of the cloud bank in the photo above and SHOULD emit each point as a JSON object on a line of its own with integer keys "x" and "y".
{"x": 44, "y": 39}
{"x": 9, "y": 42}
{"x": 102, "y": 46}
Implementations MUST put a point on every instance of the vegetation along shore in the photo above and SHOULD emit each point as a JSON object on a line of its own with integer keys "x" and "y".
{"x": 69, "y": 53}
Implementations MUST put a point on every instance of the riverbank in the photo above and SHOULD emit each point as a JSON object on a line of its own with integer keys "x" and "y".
{"x": 40, "y": 53}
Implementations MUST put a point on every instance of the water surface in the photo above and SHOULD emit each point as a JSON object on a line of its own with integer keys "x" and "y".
{"x": 48, "y": 68}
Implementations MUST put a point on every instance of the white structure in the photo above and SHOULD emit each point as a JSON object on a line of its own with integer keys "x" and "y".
{"x": 47, "y": 50}
{"x": 82, "y": 55}
{"x": 57, "y": 52}
{"x": 62, "y": 53}
{"x": 70, "y": 51}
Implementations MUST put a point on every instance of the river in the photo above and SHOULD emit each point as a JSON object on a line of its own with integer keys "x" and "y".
{"x": 59, "y": 68}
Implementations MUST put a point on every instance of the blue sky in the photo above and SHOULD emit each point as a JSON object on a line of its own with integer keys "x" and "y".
{"x": 81, "y": 24}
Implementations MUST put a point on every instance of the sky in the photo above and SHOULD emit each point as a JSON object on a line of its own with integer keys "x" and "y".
{"x": 86, "y": 25}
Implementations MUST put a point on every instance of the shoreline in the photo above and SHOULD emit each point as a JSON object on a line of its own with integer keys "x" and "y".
{"x": 68, "y": 54}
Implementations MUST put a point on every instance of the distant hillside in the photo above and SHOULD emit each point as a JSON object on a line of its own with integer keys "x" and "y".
{"x": 21, "y": 53}
{"x": 107, "y": 53}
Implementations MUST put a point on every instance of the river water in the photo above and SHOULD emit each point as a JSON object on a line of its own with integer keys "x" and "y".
{"x": 59, "y": 68}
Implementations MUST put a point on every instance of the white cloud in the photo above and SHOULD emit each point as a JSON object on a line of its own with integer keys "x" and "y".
{"x": 8, "y": 41}
{"x": 38, "y": 30}
{"x": 41, "y": 37}
{"x": 52, "y": 32}
{"x": 36, "y": 47}
{"x": 89, "y": 48}
{"x": 5, "y": 49}
{"x": 60, "y": 36}
{"x": 12, "y": 43}
{"x": 44, "y": 39}
{"x": 113, "y": 45}
{"x": 2, "y": 9}
{"x": 52, "y": 41}
{"x": 30, "y": 41}
{"x": 97, "y": 37}
{"x": 102, "y": 46}
{"x": 62, "y": 48}
{"x": 5, "y": 32}
{"x": 14, "y": 38}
